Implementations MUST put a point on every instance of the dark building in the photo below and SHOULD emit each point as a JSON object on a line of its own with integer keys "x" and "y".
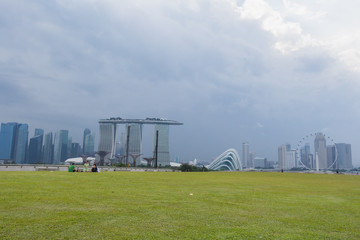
{"x": 35, "y": 149}
{"x": 48, "y": 149}
{"x": 75, "y": 150}
{"x": 7, "y": 141}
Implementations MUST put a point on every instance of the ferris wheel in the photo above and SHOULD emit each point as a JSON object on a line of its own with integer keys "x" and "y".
{"x": 308, "y": 159}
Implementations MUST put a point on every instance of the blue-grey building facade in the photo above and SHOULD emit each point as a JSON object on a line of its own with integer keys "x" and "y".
{"x": 61, "y": 146}
{"x": 21, "y": 143}
{"x": 86, "y": 133}
{"x": 344, "y": 156}
{"x": 48, "y": 149}
{"x": 7, "y": 141}
{"x": 35, "y": 149}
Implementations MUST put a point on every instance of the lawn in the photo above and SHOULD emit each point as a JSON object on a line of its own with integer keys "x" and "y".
{"x": 174, "y": 205}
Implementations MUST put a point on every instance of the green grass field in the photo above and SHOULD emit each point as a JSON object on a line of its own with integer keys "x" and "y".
{"x": 156, "y": 205}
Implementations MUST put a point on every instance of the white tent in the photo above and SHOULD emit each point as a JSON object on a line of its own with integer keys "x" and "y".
{"x": 79, "y": 161}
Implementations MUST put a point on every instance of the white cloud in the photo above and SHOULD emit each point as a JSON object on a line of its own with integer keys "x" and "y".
{"x": 289, "y": 35}
{"x": 347, "y": 49}
{"x": 301, "y": 10}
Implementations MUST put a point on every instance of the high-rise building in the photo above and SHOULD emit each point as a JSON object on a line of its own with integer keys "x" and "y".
{"x": 290, "y": 159}
{"x": 21, "y": 143}
{"x": 344, "y": 159}
{"x": 331, "y": 156}
{"x": 86, "y": 132}
{"x": 48, "y": 148}
{"x": 69, "y": 144}
{"x": 7, "y": 141}
{"x": 60, "y": 146}
{"x": 133, "y": 142}
{"x": 108, "y": 133}
{"x": 35, "y": 149}
{"x": 75, "y": 150}
{"x": 282, "y": 157}
{"x": 163, "y": 155}
{"x": 245, "y": 155}
{"x": 89, "y": 146}
{"x": 305, "y": 156}
{"x": 260, "y": 162}
{"x": 250, "y": 163}
{"x": 286, "y": 157}
{"x": 39, "y": 131}
{"x": 35, "y": 146}
{"x": 320, "y": 149}
{"x": 134, "y": 136}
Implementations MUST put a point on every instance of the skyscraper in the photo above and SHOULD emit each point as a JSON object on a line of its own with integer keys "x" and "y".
{"x": 134, "y": 133}
{"x": 163, "y": 155}
{"x": 35, "y": 149}
{"x": 35, "y": 146}
{"x": 89, "y": 144}
{"x": 282, "y": 157}
{"x": 245, "y": 155}
{"x": 108, "y": 133}
{"x": 344, "y": 160}
{"x": 251, "y": 157}
{"x": 86, "y": 132}
{"x": 75, "y": 150}
{"x": 60, "y": 146}
{"x": 48, "y": 148}
{"x": 290, "y": 159}
{"x": 39, "y": 131}
{"x": 69, "y": 144}
{"x": 7, "y": 141}
{"x": 21, "y": 143}
{"x": 305, "y": 156}
{"x": 320, "y": 149}
{"x": 286, "y": 157}
{"x": 331, "y": 156}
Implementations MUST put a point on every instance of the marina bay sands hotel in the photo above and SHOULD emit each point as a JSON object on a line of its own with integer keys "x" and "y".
{"x": 133, "y": 146}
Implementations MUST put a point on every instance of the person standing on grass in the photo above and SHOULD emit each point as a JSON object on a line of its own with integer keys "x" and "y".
{"x": 86, "y": 166}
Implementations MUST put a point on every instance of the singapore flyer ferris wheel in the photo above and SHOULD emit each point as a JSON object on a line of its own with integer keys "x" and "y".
{"x": 321, "y": 154}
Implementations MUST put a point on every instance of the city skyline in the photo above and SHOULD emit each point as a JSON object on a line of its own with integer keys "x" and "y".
{"x": 27, "y": 149}
{"x": 257, "y": 71}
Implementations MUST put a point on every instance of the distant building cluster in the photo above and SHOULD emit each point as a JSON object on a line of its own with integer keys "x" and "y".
{"x": 251, "y": 161}
{"x": 324, "y": 157}
{"x": 335, "y": 156}
{"x": 49, "y": 148}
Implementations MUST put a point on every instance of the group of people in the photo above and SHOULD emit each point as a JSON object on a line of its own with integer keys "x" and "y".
{"x": 94, "y": 168}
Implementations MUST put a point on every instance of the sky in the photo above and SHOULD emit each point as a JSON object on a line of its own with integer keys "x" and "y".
{"x": 267, "y": 72}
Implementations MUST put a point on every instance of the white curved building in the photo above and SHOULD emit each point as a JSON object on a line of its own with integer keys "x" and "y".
{"x": 228, "y": 160}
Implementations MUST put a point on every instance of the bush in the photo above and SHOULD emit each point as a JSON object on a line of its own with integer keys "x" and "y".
{"x": 185, "y": 167}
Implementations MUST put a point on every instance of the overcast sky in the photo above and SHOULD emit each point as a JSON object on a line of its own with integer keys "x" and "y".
{"x": 267, "y": 72}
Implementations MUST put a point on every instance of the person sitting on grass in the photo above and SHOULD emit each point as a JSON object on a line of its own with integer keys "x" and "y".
{"x": 86, "y": 166}
{"x": 94, "y": 168}
{"x": 71, "y": 168}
